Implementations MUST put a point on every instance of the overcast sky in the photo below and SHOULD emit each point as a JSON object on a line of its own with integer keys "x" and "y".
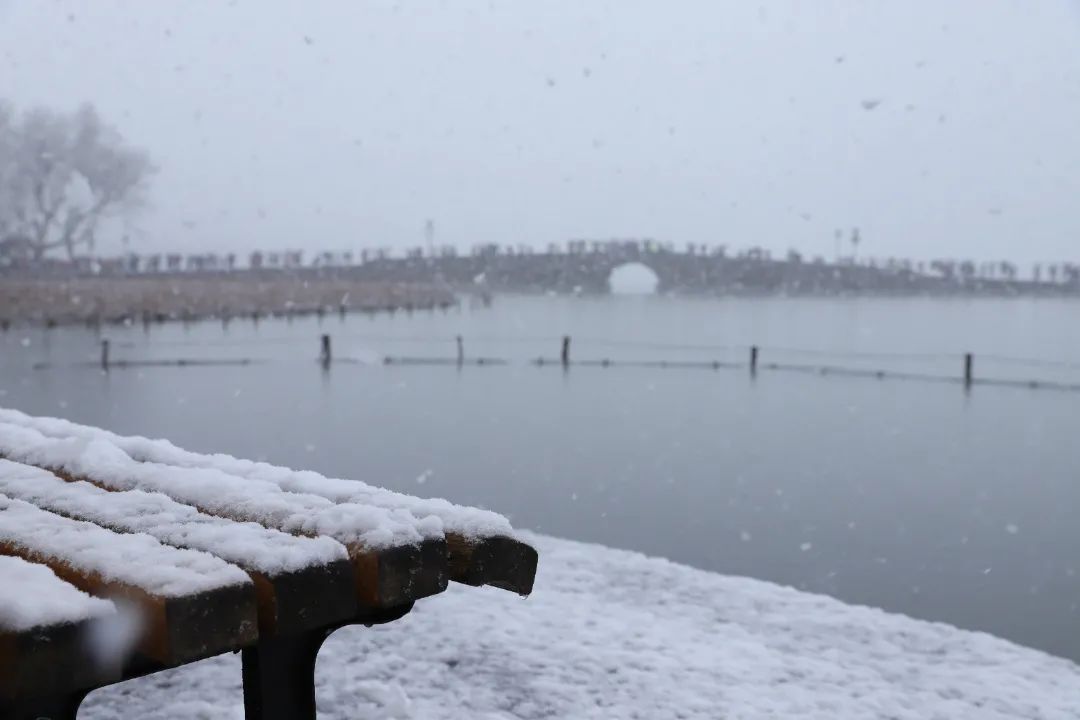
{"x": 344, "y": 124}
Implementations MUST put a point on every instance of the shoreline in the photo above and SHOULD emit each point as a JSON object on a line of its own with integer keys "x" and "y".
{"x": 101, "y": 301}
{"x": 96, "y": 300}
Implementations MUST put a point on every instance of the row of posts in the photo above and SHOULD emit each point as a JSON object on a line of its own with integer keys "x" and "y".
{"x": 326, "y": 356}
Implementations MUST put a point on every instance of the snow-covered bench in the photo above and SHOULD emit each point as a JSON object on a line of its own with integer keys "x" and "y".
{"x": 122, "y": 556}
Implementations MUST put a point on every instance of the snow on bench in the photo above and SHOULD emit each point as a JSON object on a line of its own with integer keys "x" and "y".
{"x": 483, "y": 548}
{"x": 189, "y": 604}
{"x": 31, "y": 596}
{"x": 287, "y": 569}
{"x": 397, "y": 558}
{"x": 46, "y": 631}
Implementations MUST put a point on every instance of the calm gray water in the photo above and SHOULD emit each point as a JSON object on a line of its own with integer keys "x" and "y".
{"x": 913, "y": 496}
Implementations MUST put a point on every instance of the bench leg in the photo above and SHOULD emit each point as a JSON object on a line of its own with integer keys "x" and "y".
{"x": 64, "y": 707}
{"x": 279, "y": 677}
{"x": 279, "y": 672}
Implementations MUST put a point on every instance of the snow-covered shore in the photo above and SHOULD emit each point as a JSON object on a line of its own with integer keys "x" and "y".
{"x": 612, "y": 634}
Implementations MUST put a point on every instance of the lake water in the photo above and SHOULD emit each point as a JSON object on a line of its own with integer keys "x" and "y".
{"x": 915, "y": 496}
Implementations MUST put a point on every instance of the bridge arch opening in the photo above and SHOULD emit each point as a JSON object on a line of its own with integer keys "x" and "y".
{"x": 633, "y": 278}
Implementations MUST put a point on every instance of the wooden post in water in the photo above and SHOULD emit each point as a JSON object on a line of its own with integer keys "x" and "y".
{"x": 753, "y": 359}
{"x": 566, "y": 351}
{"x": 969, "y": 362}
{"x": 460, "y": 351}
{"x": 105, "y": 354}
{"x": 324, "y": 352}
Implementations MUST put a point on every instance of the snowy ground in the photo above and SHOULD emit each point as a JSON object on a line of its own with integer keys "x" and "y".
{"x": 611, "y": 634}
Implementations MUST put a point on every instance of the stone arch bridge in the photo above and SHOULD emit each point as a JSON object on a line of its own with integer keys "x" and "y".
{"x": 581, "y": 268}
{"x": 586, "y": 267}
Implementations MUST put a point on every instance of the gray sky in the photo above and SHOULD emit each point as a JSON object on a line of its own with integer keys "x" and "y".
{"x": 344, "y": 124}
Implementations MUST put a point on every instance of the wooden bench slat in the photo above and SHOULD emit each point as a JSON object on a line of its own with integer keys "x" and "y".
{"x": 399, "y": 575}
{"x": 482, "y": 548}
{"x": 281, "y": 565}
{"x": 46, "y": 633}
{"x": 190, "y": 604}
{"x": 376, "y": 538}
{"x": 502, "y": 562}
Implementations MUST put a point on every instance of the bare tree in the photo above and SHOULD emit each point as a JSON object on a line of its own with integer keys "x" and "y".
{"x": 10, "y": 212}
{"x": 60, "y": 175}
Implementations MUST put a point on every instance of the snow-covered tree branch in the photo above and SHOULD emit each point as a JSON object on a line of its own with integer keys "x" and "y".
{"x": 60, "y": 175}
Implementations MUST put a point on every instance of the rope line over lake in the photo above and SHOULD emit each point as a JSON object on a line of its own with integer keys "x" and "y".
{"x": 752, "y": 358}
{"x": 628, "y": 343}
